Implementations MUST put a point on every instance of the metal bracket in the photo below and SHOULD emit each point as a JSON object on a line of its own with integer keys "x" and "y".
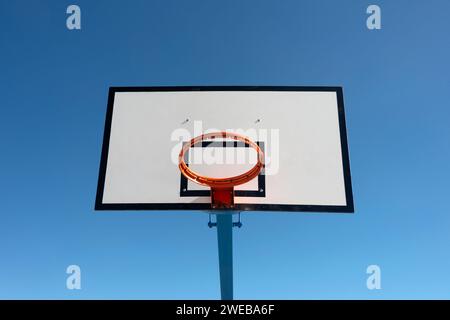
{"x": 235, "y": 224}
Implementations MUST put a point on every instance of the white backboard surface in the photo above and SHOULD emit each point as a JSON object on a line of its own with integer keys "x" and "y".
{"x": 301, "y": 130}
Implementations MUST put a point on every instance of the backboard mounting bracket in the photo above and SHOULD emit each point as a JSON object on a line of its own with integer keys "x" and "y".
{"x": 237, "y": 224}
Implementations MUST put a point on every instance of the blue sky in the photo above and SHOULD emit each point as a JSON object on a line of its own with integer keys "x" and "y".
{"x": 53, "y": 88}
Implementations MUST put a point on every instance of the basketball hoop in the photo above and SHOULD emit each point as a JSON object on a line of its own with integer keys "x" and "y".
{"x": 222, "y": 189}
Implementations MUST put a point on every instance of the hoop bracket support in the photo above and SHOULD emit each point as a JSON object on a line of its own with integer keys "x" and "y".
{"x": 237, "y": 224}
{"x": 222, "y": 198}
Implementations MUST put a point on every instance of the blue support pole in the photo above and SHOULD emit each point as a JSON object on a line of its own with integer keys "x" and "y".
{"x": 225, "y": 243}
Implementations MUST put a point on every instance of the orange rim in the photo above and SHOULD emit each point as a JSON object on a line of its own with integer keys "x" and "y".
{"x": 220, "y": 182}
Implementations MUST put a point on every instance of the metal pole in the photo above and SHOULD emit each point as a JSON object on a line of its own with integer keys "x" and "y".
{"x": 225, "y": 243}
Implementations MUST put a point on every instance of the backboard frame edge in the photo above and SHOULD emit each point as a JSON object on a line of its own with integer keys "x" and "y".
{"x": 348, "y": 208}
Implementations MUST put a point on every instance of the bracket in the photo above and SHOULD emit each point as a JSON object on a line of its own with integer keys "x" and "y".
{"x": 235, "y": 224}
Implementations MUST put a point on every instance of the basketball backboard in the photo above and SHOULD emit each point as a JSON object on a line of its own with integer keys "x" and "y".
{"x": 301, "y": 131}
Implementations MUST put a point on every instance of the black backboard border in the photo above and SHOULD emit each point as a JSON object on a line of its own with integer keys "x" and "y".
{"x": 348, "y": 208}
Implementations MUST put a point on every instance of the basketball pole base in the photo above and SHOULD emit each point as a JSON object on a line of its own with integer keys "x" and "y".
{"x": 225, "y": 244}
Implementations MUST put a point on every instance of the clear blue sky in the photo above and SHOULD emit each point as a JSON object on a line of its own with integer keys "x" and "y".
{"x": 53, "y": 89}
